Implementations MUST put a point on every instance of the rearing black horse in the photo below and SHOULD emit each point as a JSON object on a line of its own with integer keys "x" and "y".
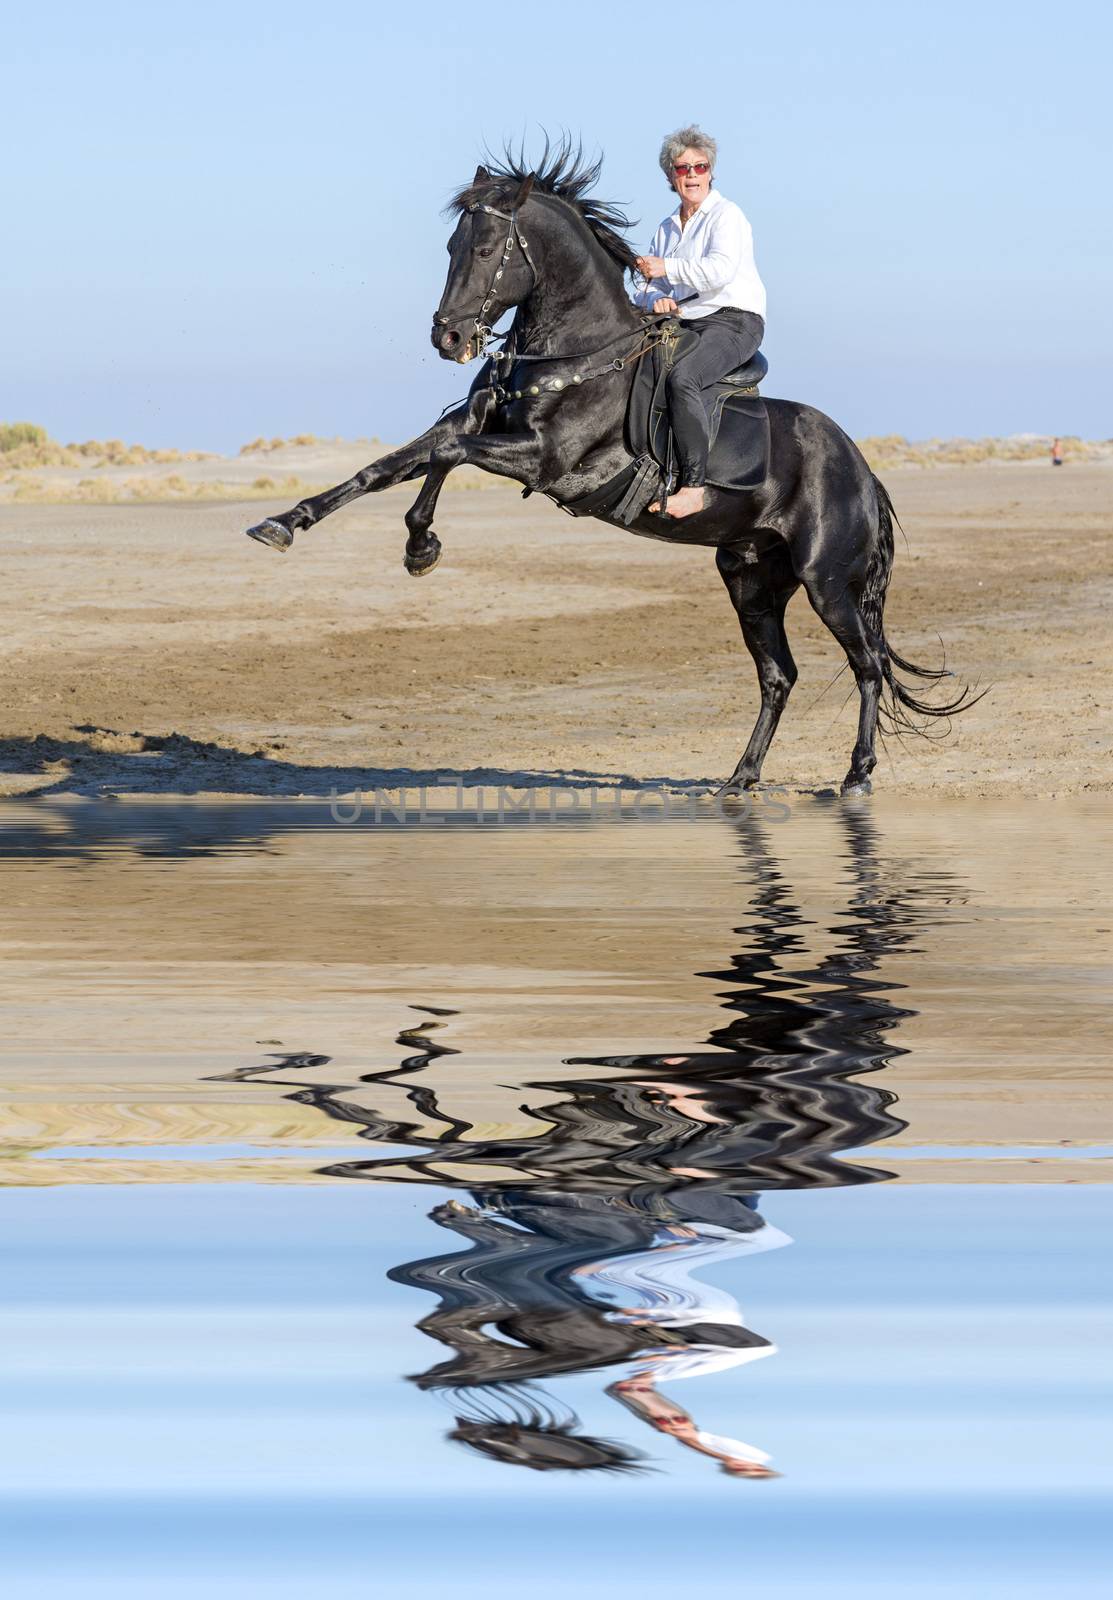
{"x": 550, "y": 413}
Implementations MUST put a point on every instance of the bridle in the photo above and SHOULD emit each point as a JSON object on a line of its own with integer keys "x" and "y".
{"x": 483, "y": 333}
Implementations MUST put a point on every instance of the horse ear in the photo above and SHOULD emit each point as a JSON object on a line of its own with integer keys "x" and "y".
{"x": 523, "y": 193}
{"x": 481, "y": 174}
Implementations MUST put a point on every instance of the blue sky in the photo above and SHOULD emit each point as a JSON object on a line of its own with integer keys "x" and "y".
{"x": 202, "y": 1393}
{"x": 224, "y": 220}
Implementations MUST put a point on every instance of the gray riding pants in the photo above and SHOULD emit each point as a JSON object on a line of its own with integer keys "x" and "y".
{"x": 727, "y": 339}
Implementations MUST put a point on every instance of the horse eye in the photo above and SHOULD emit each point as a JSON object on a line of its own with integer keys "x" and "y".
{"x": 485, "y": 251}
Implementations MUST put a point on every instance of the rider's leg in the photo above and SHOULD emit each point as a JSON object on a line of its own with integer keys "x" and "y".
{"x": 726, "y": 341}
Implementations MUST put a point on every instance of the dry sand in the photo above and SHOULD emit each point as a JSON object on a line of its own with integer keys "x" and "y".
{"x": 151, "y": 648}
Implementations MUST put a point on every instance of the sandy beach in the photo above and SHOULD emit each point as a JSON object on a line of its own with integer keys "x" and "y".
{"x": 150, "y": 648}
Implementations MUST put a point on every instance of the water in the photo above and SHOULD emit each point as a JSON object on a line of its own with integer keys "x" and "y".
{"x": 354, "y": 1174}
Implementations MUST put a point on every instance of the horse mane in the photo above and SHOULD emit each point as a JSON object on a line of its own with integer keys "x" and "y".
{"x": 564, "y": 173}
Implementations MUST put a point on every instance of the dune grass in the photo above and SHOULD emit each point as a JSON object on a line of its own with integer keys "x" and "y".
{"x": 114, "y": 491}
{"x": 27, "y": 449}
{"x": 26, "y": 488}
{"x": 893, "y": 450}
{"x": 25, "y": 444}
{"x": 263, "y": 447}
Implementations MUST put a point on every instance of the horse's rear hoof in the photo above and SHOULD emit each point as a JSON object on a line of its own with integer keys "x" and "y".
{"x": 735, "y": 788}
{"x": 856, "y": 786}
{"x": 422, "y": 560}
{"x": 272, "y": 533}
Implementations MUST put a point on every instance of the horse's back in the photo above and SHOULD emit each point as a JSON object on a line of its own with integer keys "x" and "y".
{"x": 820, "y": 494}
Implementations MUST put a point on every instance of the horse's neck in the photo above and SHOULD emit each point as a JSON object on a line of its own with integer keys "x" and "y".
{"x": 542, "y": 329}
{"x": 576, "y": 303}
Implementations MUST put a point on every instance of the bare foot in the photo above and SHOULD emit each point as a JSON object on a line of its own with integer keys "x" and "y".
{"x": 684, "y": 503}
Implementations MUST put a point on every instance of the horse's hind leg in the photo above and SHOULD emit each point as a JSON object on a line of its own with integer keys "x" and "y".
{"x": 760, "y": 592}
{"x": 843, "y": 615}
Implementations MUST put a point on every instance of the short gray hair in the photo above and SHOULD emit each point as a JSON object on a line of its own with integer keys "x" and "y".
{"x": 683, "y": 139}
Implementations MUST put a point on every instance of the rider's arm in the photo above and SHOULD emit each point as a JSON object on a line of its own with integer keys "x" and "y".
{"x": 650, "y": 293}
{"x": 729, "y": 243}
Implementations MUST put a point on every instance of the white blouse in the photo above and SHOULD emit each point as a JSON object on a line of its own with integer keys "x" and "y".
{"x": 708, "y": 264}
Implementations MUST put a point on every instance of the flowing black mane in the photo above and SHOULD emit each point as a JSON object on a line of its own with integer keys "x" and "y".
{"x": 562, "y": 172}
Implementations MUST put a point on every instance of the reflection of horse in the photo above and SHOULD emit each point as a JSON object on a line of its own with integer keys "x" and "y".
{"x": 582, "y": 1237}
{"x": 557, "y": 1283}
{"x": 549, "y": 413}
{"x": 769, "y": 1106}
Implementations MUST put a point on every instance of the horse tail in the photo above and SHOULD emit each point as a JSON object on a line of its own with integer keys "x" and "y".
{"x": 902, "y": 705}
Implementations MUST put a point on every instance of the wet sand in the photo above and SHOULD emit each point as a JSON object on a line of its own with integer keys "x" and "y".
{"x": 152, "y": 649}
{"x": 140, "y": 965}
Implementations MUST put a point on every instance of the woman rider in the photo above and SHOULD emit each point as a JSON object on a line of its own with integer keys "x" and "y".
{"x": 701, "y": 265}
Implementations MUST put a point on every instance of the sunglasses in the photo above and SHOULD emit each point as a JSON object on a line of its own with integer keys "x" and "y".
{"x": 685, "y": 167}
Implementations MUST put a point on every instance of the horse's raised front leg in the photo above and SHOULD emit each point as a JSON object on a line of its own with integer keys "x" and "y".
{"x": 423, "y": 548}
{"x": 409, "y": 461}
{"x": 506, "y": 455}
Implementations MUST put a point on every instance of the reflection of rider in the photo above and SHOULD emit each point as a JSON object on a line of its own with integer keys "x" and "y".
{"x": 557, "y": 1283}
{"x": 738, "y": 1459}
{"x": 655, "y": 1289}
{"x": 701, "y": 263}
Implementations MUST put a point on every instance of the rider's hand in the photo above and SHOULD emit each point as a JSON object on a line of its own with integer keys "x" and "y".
{"x": 664, "y": 304}
{"x": 651, "y": 266}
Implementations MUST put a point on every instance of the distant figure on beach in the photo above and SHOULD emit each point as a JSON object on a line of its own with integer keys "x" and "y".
{"x": 1057, "y": 452}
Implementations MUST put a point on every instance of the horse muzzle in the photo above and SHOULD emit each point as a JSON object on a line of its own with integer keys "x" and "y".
{"x": 449, "y": 343}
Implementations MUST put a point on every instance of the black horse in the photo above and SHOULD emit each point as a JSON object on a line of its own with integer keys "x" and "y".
{"x": 549, "y": 413}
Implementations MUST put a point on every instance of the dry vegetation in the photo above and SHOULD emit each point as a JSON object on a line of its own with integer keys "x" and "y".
{"x": 113, "y": 491}
{"x": 25, "y": 444}
{"x": 36, "y": 468}
{"x": 893, "y": 450}
{"x": 264, "y": 447}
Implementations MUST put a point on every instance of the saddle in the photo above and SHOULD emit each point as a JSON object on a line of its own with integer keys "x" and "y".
{"x": 738, "y": 429}
{"x": 737, "y": 419}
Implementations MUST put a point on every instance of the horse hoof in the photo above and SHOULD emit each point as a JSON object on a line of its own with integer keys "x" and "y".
{"x": 272, "y": 533}
{"x": 856, "y": 786}
{"x": 419, "y": 562}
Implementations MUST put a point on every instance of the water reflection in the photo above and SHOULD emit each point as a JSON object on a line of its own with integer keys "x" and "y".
{"x": 588, "y": 1239}
{"x": 556, "y": 1283}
